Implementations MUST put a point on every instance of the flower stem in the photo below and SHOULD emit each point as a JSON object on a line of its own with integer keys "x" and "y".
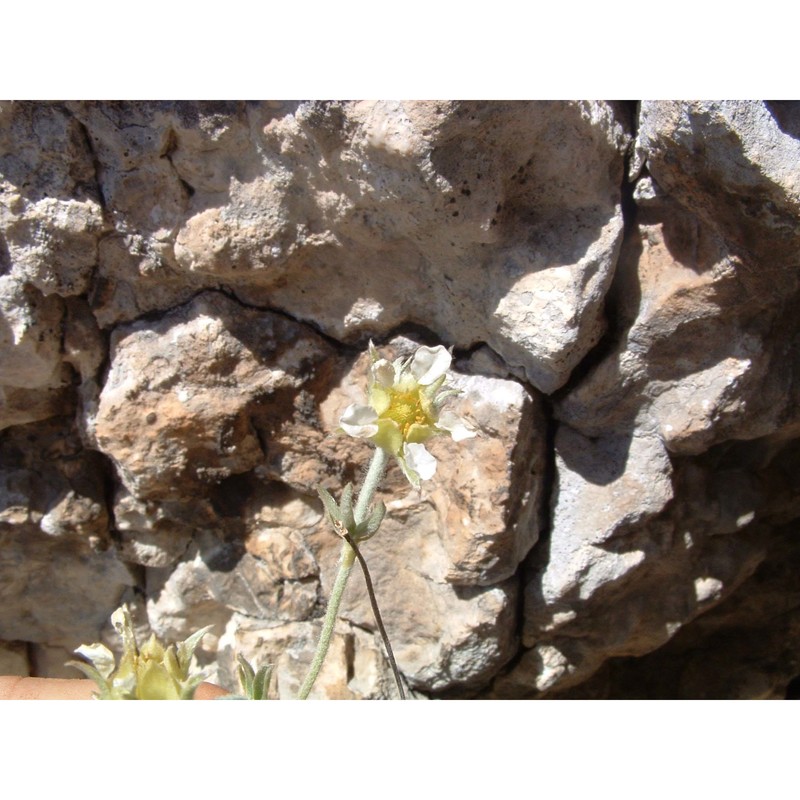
{"x": 346, "y": 560}
{"x": 380, "y": 458}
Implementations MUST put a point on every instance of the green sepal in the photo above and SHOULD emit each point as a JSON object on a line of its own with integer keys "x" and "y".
{"x": 330, "y": 505}
{"x": 432, "y": 388}
{"x": 346, "y": 508}
{"x": 170, "y": 661}
{"x": 187, "y": 647}
{"x": 152, "y": 649}
{"x": 90, "y": 672}
{"x": 189, "y": 687}
{"x": 155, "y": 683}
{"x": 377, "y": 513}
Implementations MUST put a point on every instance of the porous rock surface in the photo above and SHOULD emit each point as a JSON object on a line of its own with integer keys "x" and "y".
{"x": 187, "y": 291}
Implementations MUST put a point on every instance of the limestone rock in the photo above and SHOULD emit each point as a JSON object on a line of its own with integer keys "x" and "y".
{"x": 355, "y": 668}
{"x": 153, "y": 534}
{"x": 193, "y": 379}
{"x": 56, "y": 591}
{"x": 34, "y": 382}
{"x": 735, "y": 163}
{"x": 186, "y": 294}
{"x": 48, "y": 661}
{"x": 627, "y": 569}
{"x": 486, "y": 490}
{"x": 49, "y": 481}
{"x": 278, "y": 201}
{"x": 444, "y": 637}
{"x": 679, "y": 287}
{"x": 59, "y": 579}
{"x": 31, "y": 326}
{"x": 745, "y": 646}
{"x": 50, "y": 217}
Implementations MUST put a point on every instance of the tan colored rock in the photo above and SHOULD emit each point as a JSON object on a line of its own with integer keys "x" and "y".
{"x": 22, "y": 406}
{"x": 444, "y": 637}
{"x": 59, "y": 579}
{"x": 84, "y": 347}
{"x": 14, "y": 659}
{"x": 193, "y": 381}
{"x": 30, "y": 334}
{"x": 274, "y": 579}
{"x": 605, "y": 489}
{"x": 487, "y": 490}
{"x": 150, "y": 533}
{"x": 56, "y": 591}
{"x": 48, "y": 661}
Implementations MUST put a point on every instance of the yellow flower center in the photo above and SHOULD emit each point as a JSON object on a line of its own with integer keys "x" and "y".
{"x": 407, "y": 409}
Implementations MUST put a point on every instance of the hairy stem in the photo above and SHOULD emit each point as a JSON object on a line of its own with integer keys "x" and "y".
{"x": 380, "y": 458}
{"x": 346, "y": 560}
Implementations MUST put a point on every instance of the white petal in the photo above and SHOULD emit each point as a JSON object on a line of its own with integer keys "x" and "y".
{"x": 430, "y": 363}
{"x": 420, "y": 460}
{"x": 455, "y": 426}
{"x": 383, "y": 373}
{"x": 359, "y": 421}
{"x": 411, "y": 476}
{"x": 100, "y": 656}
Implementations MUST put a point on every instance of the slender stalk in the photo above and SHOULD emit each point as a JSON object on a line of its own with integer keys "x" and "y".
{"x": 380, "y": 458}
{"x": 346, "y": 560}
{"x": 377, "y": 614}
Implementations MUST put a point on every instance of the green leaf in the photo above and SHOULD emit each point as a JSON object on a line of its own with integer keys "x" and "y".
{"x": 170, "y": 662}
{"x": 246, "y": 675}
{"x": 255, "y": 685}
{"x": 261, "y": 682}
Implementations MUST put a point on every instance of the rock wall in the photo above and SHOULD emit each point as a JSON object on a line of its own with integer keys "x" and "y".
{"x": 186, "y": 295}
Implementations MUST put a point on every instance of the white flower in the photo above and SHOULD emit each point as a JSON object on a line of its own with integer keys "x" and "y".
{"x": 405, "y": 409}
